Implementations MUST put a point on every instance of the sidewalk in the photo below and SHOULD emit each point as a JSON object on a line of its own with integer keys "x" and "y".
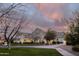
{"x": 69, "y": 49}
{"x": 64, "y": 52}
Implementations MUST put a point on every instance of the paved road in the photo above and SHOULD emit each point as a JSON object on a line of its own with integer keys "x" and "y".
{"x": 41, "y": 46}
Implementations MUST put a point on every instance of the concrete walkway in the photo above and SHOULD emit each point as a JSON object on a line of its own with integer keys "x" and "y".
{"x": 64, "y": 52}
{"x": 42, "y": 46}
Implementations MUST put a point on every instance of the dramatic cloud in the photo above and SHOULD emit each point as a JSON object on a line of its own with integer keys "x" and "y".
{"x": 52, "y": 11}
{"x": 46, "y": 15}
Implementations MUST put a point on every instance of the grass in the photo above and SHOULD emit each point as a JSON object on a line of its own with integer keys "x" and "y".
{"x": 26, "y": 44}
{"x": 29, "y": 52}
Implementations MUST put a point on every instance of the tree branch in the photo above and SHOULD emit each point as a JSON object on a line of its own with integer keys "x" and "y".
{"x": 5, "y": 32}
{"x": 9, "y": 9}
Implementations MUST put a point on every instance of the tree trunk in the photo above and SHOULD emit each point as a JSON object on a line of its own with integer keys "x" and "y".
{"x": 9, "y": 45}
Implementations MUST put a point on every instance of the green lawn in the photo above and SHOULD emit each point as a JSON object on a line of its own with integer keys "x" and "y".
{"x": 29, "y": 52}
{"x": 26, "y": 44}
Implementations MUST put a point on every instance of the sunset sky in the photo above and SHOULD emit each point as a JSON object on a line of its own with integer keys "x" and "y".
{"x": 47, "y": 15}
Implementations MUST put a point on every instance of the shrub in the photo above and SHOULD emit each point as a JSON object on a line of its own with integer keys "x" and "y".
{"x": 50, "y": 35}
{"x": 68, "y": 43}
{"x": 69, "y": 39}
{"x": 54, "y": 42}
{"x": 58, "y": 42}
{"x": 75, "y": 48}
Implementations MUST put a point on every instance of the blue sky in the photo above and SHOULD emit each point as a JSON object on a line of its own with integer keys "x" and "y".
{"x": 46, "y": 15}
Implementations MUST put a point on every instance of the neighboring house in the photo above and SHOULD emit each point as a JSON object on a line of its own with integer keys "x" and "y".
{"x": 23, "y": 38}
{"x": 17, "y": 41}
{"x": 38, "y": 35}
{"x": 60, "y": 36}
{"x": 2, "y": 40}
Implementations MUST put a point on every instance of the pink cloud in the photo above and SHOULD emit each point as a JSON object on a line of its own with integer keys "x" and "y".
{"x": 51, "y": 10}
{"x": 63, "y": 28}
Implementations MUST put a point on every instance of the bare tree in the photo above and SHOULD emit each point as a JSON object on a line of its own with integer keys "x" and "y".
{"x": 12, "y": 6}
{"x": 71, "y": 22}
{"x": 10, "y": 27}
{"x": 10, "y": 31}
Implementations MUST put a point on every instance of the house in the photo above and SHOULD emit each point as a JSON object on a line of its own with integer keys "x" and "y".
{"x": 60, "y": 36}
{"x": 23, "y": 38}
{"x": 2, "y": 40}
{"x": 38, "y": 35}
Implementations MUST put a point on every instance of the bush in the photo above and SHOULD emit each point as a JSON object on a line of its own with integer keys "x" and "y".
{"x": 68, "y": 43}
{"x": 75, "y": 48}
{"x": 54, "y": 42}
{"x": 69, "y": 39}
{"x": 58, "y": 42}
{"x": 61, "y": 42}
